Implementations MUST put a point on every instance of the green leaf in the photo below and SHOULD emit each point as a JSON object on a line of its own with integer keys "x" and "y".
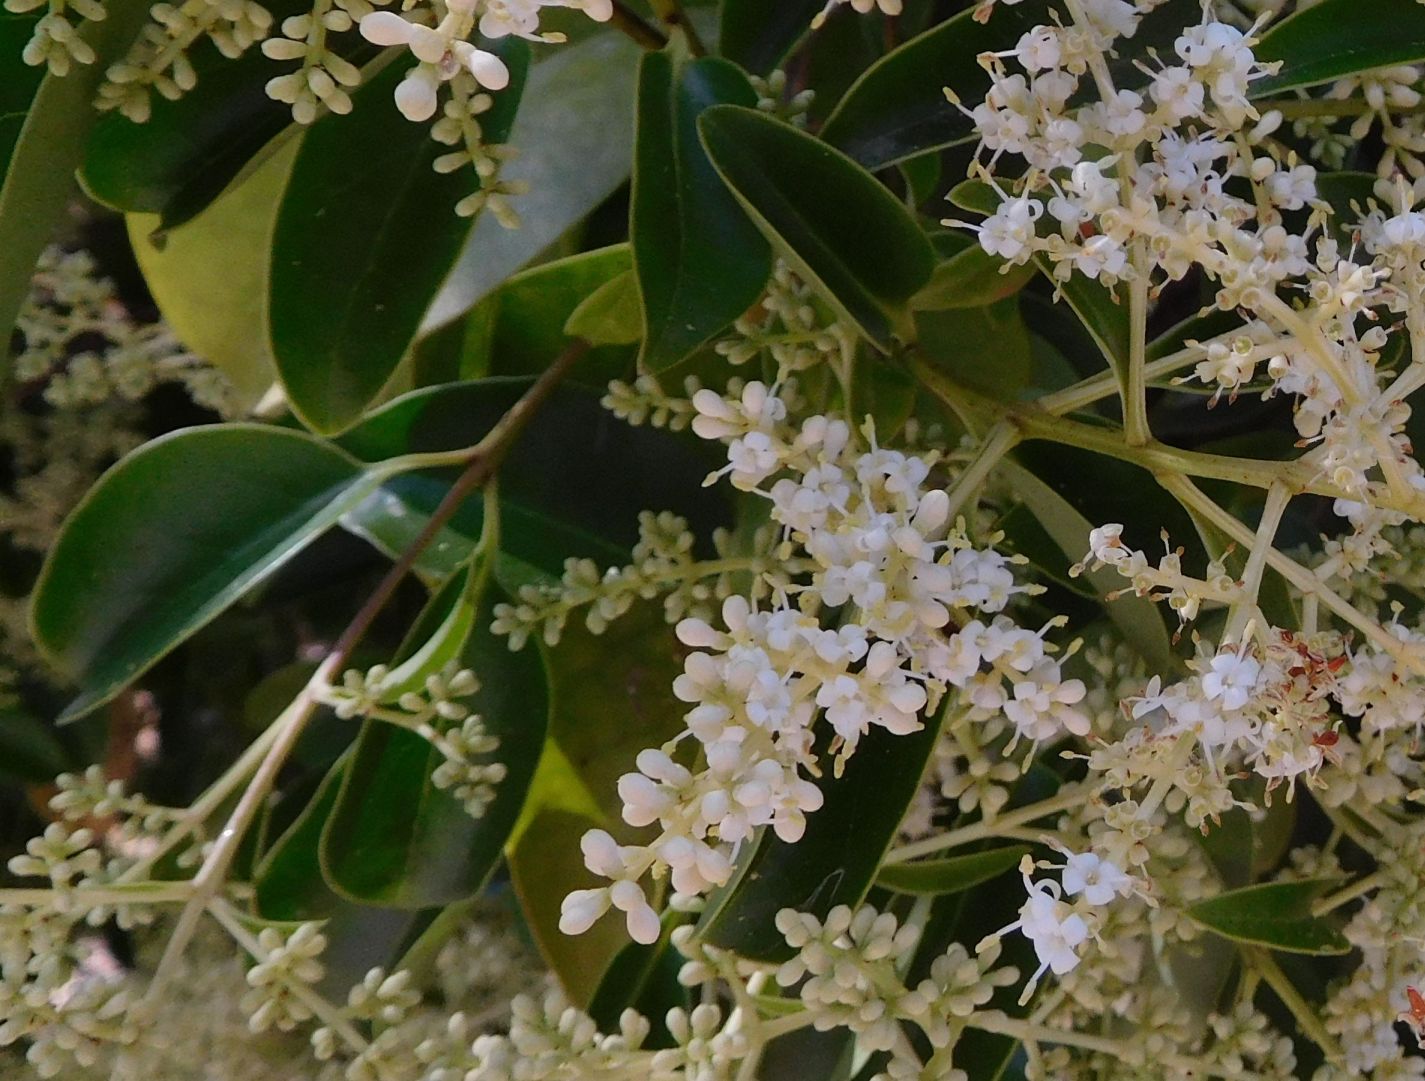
{"x": 45, "y": 121}
{"x": 189, "y": 151}
{"x": 438, "y": 637}
{"x": 174, "y": 534}
{"x": 290, "y": 888}
{"x": 395, "y": 839}
{"x": 843, "y": 233}
{"x": 30, "y": 752}
{"x": 1136, "y": 617}
{"x": 575, "y": 137}
{"x": 971, "y": 278}
{"x": 610, "y": 315}
{"x": 1276, "y": 915}
{"x": 611, "y": 696}
{"x": 1103, "y": 317}
{"x": 700, "y": 262}
{"x": 523, "y": 326}
{"x": 984, "y": 348}
{"x": 758, "y": 35}
{"x": 897, "y": 108}
{"x": 1340, "y": 37}
{"x": 952, "y": 875}
{"x": 836, "y": 861}
{"x": 366, "y": 234}
{"x": 572, "y": 485}
{"x": 209, "y": 276}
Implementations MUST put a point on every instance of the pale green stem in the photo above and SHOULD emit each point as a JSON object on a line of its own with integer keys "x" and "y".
{"x": 1265, "y": 965}
{"x": 209, "y": 879}
{"x": 1303, "y": 579}
{"x": 998, "y": 442}
{"x": 328, "y": 1014}
{"x": 1135, "y": 395}
{"x": 979, "y": 831}
{"x": 1356, "y": 889}
{"x": 1299, "y": 108}
{"x": 1101, "y": 386}
{"x": 86, "y": 898}
{"x": 1123, "y": 1050}
{"x": 1241, "y": 613}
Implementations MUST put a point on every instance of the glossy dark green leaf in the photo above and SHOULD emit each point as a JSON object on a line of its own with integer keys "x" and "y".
{"x": 188, "y": 151}
{"x": 523, "y": 325}
{"x": 984, "y": 348}
{"x": 951, "y": 875}
{"x": 842, "y": 232}
{"x": 30, "y": 752}
{"x": 610, "y": 315}
{"x": 836, "y": 861}
{"x": 971, "y": 278}
{"x": 174, "y": 534}
{"x": 758, "y": 35}
{"x": 700, "y": 262}
{"x": 45, "y": 121}
{"x": 897, "y": 109}
{"x": 1276, "y": 915}
{"x": 1103, "y": 316}
{"x": 395, "y": 839}
{"x": 575, "y": 137}
{"x": 290, "y": 887}
{"x": 366, "y": 234}
{"x": 611, "y": 697}
{"x": 572, "y": 485}
{"x": 1137, "y": 618}
{"x": 1340, "y": 37}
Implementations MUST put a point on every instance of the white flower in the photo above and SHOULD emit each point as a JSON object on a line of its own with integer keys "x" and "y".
{"x": 1231, "y": 678}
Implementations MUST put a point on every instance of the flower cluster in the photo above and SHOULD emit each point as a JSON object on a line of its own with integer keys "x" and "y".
{"x": 921, "y": 612}
{"x": 438, "y": 713}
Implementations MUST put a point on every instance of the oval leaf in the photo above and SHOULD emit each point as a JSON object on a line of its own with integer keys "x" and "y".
{"x": 1340, "y": 37}
{"x": 45, "y": 121}
{"x": 836, "y": 861}
{"x": 897, "y": 108}
{"x": 395, "y": 839}
{"x": 366, "y": 234}
{"x": 757, "y": 34}
{"x": 1276, "y": 915}
{"x": 843, "y": 233}
{"x": 174, "y": 534}
{"x": 700, "y": 262}
{"x": 952, "y": 875}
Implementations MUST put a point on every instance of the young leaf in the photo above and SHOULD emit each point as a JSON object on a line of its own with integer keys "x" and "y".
{"x": 611, "y": 696}
{"x": 45, "y": 121}
{"x": 366, "y": 234}
{"x": 971, "y": 278}
{"x": 897, "y": 108}
{"x": 610, "y": 315}
{"x": 836, "y": 861}
{"x": 395, "y": 839}
{"x": 842, "y": 232}
{"x": 1276, "y": 915}
{"x": 173, "y": 535}
{"x": 209, "y": 276}
{"x": 952, "y": 875}
{"x": 700, "y": 262}
{"x": 1340, "y": 37}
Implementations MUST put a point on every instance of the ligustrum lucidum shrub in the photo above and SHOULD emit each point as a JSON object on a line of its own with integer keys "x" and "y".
{"x": 583, "y": 540}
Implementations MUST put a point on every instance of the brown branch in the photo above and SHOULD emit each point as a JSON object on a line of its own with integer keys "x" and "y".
{"x": 626, "y": 19}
